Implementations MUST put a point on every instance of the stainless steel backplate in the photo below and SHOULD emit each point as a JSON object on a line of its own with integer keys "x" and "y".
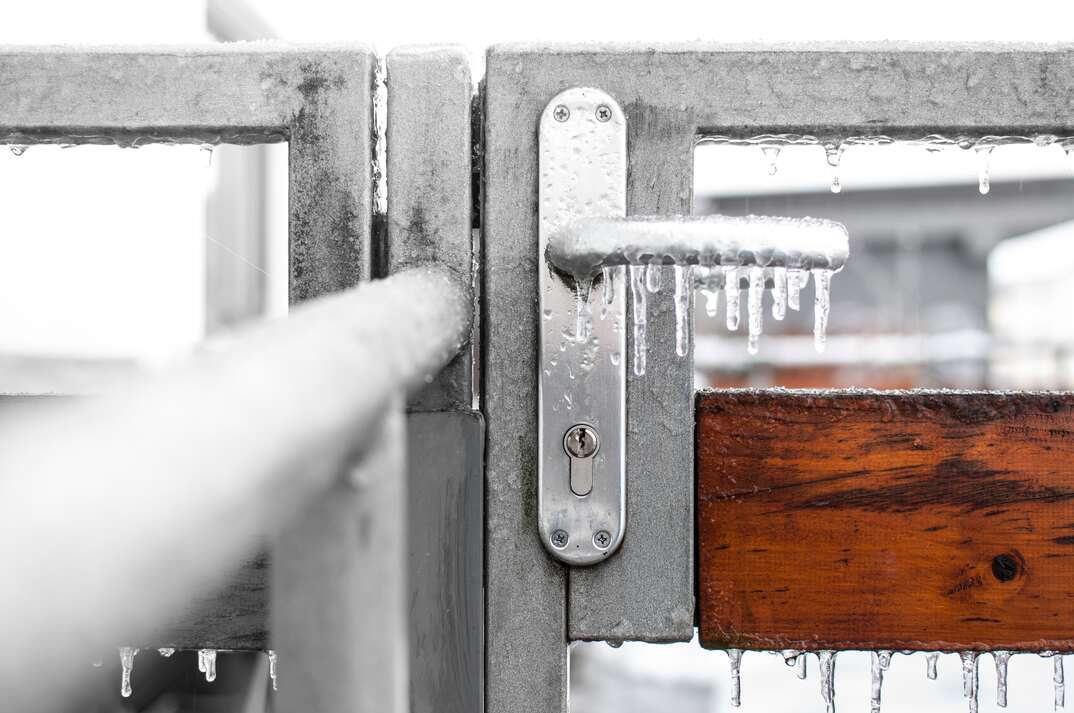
{"x": 582, "y": 380}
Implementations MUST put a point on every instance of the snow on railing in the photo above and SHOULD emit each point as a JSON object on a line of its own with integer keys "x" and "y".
{"x": 137, "y": 502}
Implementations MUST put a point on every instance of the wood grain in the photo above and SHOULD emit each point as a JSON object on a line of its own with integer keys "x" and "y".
{"x": 886, "y": 520}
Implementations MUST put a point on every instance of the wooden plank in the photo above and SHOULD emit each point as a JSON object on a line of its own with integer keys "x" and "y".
{"x": 886, "y": 520}
{"x": 429, "y": 185}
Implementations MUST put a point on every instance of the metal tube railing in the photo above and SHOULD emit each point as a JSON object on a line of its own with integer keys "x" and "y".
{"x": 116, "y": 511}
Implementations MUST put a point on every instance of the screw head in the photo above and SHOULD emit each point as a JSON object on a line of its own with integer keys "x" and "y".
{"x": 561, "y": 113}
{"x": 581, "y": 441}
{"x": 559, "y": 539}
{"x": 601, "y": 539}
{"x": 604, "y": 112}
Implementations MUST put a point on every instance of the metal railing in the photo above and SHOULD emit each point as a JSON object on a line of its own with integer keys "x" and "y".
{"x": 117, "y": 510}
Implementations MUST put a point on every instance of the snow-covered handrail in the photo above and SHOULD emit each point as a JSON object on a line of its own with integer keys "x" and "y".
{"x": 117, "y": 511}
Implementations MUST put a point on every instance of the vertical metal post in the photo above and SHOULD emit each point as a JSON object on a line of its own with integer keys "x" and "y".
{"x": 339, "y": 591}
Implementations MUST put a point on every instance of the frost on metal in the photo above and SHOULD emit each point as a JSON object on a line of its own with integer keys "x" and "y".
{"x": 588, "y": 244}
{"x": 717, "y": 254}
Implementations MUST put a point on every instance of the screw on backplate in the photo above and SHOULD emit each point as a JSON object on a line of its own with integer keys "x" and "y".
{"x": 561, "y": 113}
{"x": 581, "y": 441}
{"x": 604, "y": 112}
{"x": 601, "y": 539}
{"x": 559, "y": 539}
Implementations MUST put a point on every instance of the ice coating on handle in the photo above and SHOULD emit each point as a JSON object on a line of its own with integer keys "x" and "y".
{"x": 587, "y": 244}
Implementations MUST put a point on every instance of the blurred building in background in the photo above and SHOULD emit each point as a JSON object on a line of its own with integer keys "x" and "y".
{"x": 941, "y": 287}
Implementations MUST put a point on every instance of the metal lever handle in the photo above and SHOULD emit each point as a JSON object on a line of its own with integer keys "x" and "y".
{"x": 584, "y": 246}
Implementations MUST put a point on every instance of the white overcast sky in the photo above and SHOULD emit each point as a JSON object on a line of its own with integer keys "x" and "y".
{"x": 477, "y": 23}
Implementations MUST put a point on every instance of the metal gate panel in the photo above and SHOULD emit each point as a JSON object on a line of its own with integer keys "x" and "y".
{"x": 673, "y": 95}
{"x": 318, "y": 99}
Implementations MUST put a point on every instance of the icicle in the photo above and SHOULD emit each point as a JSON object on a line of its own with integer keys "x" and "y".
{"x": 834, "y": 155}
{"x": 930, "y": 664}
{"x": 653, "y": 275}
{"x": 166, "y": 653}
{"x": 1069, "y": 149}
{"x": 779, "y": 293}
{"x": 730, "y": 290}
{"x": 638, "y": 308}
{"x": 583, "y": 315}
{"x": 984, "y": 158}
{"x": 207, "y": 152}
{"x": 684, "y": 282}
{"x": 711, "y": 280}
{"x": 607, "y": 281}
{"x": 755, "y": 308}
{"x": 791, "y": 657}
{"x": 794, "y": 288}
{"x": 207, "y": 663}
{"x": 734, "y": 657}
{"x": 1057, "y": 678}
{"x": 126, "y": 661}
{"x": 1001, "y": 658}
{"x": 771, "y": 154}
{"x": 881, "y": 661}
{"x": 272, "y": 661}
{"x": 969, "y": 678}
{"x": 827, "y": 679}
{"x": 822, "y": 280}
{"x": 17, "y": 149}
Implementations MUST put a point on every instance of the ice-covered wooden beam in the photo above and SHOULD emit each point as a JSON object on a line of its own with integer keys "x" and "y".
{"x": 886, "y": 520}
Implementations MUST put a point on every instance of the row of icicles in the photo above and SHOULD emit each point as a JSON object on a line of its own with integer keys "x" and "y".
{"x": 786, "y": 285}
{"x": 881, "y": 661}
{"x": 206, "y": 150}
{"x": 770, "y": 146}
{"x": 206, "y": 665}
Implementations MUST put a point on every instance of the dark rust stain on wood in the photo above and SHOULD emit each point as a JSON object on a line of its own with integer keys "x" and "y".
{"x": 947, "y": 528}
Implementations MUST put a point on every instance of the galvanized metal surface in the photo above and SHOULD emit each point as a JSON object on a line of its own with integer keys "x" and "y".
{"x": 316, "y": 98}
{"x": 582, "y": 372}
{"x": 429, "y": 188}
{"x": 339, "y": 604}
{"x": 445, "y": 494}
{"x": 671, "y": 95}
{"x": 646, "y": 590}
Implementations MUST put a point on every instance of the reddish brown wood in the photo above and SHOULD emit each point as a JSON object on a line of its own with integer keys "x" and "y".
{"x": 886, "y": 520}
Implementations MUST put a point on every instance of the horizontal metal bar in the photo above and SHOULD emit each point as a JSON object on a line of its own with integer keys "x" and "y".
{"x": 832, "y": 91}
{"x": 236, "y": 93}
{"x": 137, "y": 502}
{"x": 584, "y": 246}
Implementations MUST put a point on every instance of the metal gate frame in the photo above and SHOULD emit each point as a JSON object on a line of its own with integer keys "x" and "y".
{"x": 322, "y": 100}
{"x": 672, "y": 95}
